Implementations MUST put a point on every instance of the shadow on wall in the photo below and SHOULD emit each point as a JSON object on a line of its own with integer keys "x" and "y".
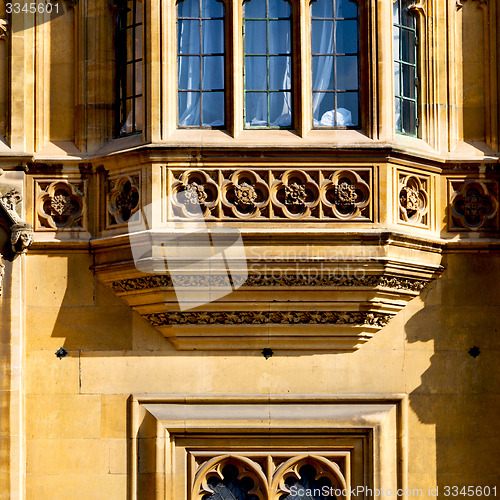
{"x": 460, "y": 392}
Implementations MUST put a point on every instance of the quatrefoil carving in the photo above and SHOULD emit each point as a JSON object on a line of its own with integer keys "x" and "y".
{"x": 346, "y": 194}
{"x": 474, "y": 205}
{"x": 245, "y": 193}
{"x": 413, "y": 199}
{"x": 194, "y": 191}
{"x": 60, "y": 206}
{"x": 295, "y": 193}
{"x": 123, "y": 200}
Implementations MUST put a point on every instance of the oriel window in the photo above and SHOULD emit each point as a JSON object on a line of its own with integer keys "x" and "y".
{"x": 335, "y": 63}
{"x": 129, "y": 57}
{"x": 268, "y": 64}
{"x": 200, "y": 63}
{"x": 405, "y": 68}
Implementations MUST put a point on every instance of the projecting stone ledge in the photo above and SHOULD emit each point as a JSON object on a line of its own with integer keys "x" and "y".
{"x": 318, "y": 303}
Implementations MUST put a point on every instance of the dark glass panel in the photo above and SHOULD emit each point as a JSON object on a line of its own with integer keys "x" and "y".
{"x": 256, "y": 73}
{"x": 213, "y": 37}
{"x": 346, "y": 37}
{"x": 213, "y": 73}
{"x": 347, "y": 109}
{"x": 188, "y": 36}
{"x": 189, "y": 72}
{"x": 213, "y": 109}
{"x": 347, "y": 72}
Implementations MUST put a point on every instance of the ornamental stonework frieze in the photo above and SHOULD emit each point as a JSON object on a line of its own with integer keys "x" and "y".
{"x": 123, "y": 199}
{"x": 473, "y": 205}
{"x": 413, "y": 199}
{"x": 245, "y": 195}
{"x": 269, "y": 317}
{"x": 60, "y": 205}
{"x": 195, "y": 190}
{"x": 298, "y": 194}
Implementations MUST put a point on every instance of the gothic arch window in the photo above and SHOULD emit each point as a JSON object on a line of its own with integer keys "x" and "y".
{"x": 268, "y": 63}
{"x": 201, "y": 63}
{"x": 129, "y": 67}
{"x": 269, "y": 477}
{"x": 335, "y": 63}
{"x": 405, "y": 68}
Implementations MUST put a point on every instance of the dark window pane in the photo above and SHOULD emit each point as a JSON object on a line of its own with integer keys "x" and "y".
{"x": 280, "y": 109}
{"x": 322, "y": 8}
{"x": 279, "y": 8}
{"x": 188, "y": 8}
{"x": 213, "y": 73}
{"x": 213, "y": 109}
{"x": 256, "y": 109}
{"x": 189, "y": 72}
{"x": 347, "y": 37}
{"x": 280, "y": 73}
{"x": 407, "y": 17}
{"x": 322, "y": 72}
{"x": 397, "y": 114}
{"x": 346, "y": 8}
{"x": 324, "y": 109}
{"x": 255, "y": 37}
{"x": 255, "y": 8}
{"x": 347, "y": 73}
{"x": 409, "y": 117}
{"x": 347, "y": 109}
{"x": 256, "y": 72}
{"x": 395, "y": 12}
{"x": 212, "y": 8}
{"x": 397, "y": 78}
{"x": 213, "y": 37}
{"x": 279, "y": 37}
{"x": 138, "y": 113}
{"x": 138, "y": 42}
{"x": 130, "y": 43}
{"x": 130, "y": 80}
{"x": 408, "y": 46}
{"x": 138, "y": 12}
{"x": 322, "y": 37}
{"x": 189, "y": 37}
{"x": 408, "y": 81}
{"x": 138, "y": 78}
{"x": 395, "y": 43}
{"x": 189, "y": 109}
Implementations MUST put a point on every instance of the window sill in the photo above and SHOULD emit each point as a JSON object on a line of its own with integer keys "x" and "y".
{"x": 268, "y": 138}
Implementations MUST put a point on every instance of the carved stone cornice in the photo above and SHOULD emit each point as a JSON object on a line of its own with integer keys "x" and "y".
{"x": 269, "y": 317}
{"x": 258, "y": 280}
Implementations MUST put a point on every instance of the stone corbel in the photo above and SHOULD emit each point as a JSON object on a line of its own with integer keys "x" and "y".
{"x": 21, "y": 232}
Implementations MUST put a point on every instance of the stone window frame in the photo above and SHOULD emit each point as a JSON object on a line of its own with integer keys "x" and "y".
{"x": 165, "y": 429}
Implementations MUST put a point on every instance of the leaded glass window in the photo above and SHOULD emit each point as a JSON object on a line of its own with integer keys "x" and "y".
{"x": 231, "y": 487}
{"x": 200, "y": 63}
{"x": 309, "y": 486}
{"x": 335, "y": 63}
{"x": 268, "y": 63}
{"x": 405, "y": 68}
{"x": 129, "y": 36}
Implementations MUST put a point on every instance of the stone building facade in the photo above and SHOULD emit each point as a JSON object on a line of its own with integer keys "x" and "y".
{"x": 352, "y": 212}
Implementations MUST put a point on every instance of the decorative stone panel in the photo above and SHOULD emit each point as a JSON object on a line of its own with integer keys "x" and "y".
{"x": 473, "y": 205}
{"x": 296, "y": 194}
{"x": 413, "y": 199}
{"x": 123, "y": 199}
{"x": 60, "y": 205}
